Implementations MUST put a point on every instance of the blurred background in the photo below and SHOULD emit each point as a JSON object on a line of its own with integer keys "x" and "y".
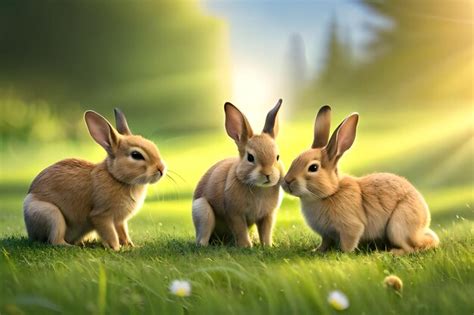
{"x": 406, "y": 66}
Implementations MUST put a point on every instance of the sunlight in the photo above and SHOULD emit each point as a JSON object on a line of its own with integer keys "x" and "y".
{"x": 252, "y": 94}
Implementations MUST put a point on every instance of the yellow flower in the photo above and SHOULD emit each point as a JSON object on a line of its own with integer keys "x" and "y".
{"x": 180, "y": 288}
{"x": 393, "y": 282}
{"x": 338, "y": 300}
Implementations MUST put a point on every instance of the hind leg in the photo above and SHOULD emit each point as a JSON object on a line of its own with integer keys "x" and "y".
{"x": 403, "y": 228}
{"x": 44, "y": 221}
{"x": 204, "y": 220}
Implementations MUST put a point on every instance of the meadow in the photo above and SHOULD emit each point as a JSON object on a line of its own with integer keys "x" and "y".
{"x": 434, "y": 151}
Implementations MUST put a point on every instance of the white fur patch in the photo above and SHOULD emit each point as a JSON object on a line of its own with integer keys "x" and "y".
{"x": 200, "y": 210}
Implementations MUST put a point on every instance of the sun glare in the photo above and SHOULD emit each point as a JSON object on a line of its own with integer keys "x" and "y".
{"x": 252, "y": 94}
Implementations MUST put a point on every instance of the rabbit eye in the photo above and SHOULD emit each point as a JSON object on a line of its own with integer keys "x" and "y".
{"x": 250, "y": 158}
{"x": 278, "y": 157}
{"x": 137, "y": 155}
{"x": 313, "y": 168}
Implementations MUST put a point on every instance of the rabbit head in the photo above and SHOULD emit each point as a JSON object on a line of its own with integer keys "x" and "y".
{"x": 314, "y": 173}
{"x": 131, "y": 159}
{"x": 259, "y": 163}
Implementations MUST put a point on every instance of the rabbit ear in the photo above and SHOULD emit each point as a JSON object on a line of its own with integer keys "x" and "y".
{"x": 101, "y": 131}
{"x": 237, "y": 126}
{"x": 121, "y": 122}
{"x": 343, "y": 137}
{"x": 271, "y": 122}
{"x": 321, "y": 127}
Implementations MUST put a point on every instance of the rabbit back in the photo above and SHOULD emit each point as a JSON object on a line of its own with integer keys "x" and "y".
{"x": 68, "y": 185}
{"x": 383, "y": 194}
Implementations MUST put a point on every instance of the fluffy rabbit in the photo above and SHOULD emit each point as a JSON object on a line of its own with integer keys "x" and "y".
{"x": 348, "y": 210}
{"x": 238, "y": 192}
{"x": 73, "y": 198}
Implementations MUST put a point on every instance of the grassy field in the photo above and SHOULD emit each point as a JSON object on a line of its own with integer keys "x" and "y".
{"x": 286, "y": 279}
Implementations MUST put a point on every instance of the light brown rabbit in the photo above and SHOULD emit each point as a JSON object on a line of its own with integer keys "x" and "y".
{"x": 73, "y": 198}
{"x": 238, "y": 192}
{"x": 348, "y": 210}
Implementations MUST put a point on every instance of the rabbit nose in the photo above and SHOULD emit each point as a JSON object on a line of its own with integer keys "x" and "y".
{"x": 160, "y": 168}
{"x": 289, "y": 181}
{"x": 266, "y": 172}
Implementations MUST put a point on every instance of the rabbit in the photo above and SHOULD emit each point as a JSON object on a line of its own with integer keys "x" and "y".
{"x": 237, "y": 193}
{"x": 346, "y": 210}
{"x": 72, "y": 198}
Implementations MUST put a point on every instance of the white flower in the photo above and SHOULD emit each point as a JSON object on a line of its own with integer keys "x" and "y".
{"x": 180, "y": 288}
{"x": 338, "y": 300}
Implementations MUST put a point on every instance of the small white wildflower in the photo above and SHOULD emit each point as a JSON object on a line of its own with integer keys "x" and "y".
{"x": 180, "y": 288}
{"x": 338, "y": 300}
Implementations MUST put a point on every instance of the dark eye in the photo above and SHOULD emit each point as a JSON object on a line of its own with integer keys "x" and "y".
{"x": 136, "y": 155}
{"x": 250, "y": 157}
{"x": 313, "y": 168}
{"x": 278, "y": 157}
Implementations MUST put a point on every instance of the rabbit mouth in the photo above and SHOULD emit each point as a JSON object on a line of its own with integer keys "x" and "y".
{"x": 155, "y": 178}
{"x": 286, "y": 187}
{"x": 266, "y": 183}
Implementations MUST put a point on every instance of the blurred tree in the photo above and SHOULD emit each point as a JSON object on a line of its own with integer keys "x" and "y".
{"x": 296, "y": 68}
{"x": 158, "y": 59}
{"x": 337, "y": 60}
{"x": 337, "y": 67}
{"x": 426, "y": 52}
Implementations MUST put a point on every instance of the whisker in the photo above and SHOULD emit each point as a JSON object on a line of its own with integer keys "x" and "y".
{"x": 177, "y": 174}
{"x": 175, "y": 195}
{"x": 171, "y": 178}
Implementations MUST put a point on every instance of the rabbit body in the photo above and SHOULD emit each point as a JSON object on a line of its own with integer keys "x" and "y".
{"x": 72, "y": 198}
{"x": 379, "y": 206}
{"x": 236, "y": 193}
{"x": 347, "y": 210}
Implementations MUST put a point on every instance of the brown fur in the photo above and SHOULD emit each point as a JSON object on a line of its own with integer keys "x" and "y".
{"x": 349, "y": 210}
{"x": 72, "y": 198}
{"x": 234, "y": 194}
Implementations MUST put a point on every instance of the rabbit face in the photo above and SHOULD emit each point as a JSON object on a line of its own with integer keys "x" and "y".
{"x": 311, "y": 175}
{"x": 260, "y": 165}
{"x": 136, "y": 161}
{"x": 131, "y": 159}
{"x": 314, "y": 172}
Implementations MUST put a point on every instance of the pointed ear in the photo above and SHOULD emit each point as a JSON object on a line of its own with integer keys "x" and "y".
{"x": 236, "y": 125}
{"x": 101, "y": 131}
{"x": 343, "y": 137}
{"x": 271, "y": 122}
{"x": 121, "y": 122}
{"x": 321, "y": 127}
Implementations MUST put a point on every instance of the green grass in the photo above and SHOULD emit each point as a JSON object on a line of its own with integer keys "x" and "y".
{"x": 288, "y": 278}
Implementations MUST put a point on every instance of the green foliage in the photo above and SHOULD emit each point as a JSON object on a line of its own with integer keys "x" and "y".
{"x": 160, "y": 57}
{"x": 36, "y": 121}
{"x": 425, "y": 53}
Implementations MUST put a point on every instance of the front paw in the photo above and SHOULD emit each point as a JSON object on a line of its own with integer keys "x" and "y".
{"x": 115, "y": 247}
{"x": 244, "y": 244}
{"x": 127, "y": 242}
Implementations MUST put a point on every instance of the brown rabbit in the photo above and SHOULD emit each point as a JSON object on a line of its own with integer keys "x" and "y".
{"x": 348, "y": 210}
{"x": 238, "y": 192}
{"x": 73, "y": 198}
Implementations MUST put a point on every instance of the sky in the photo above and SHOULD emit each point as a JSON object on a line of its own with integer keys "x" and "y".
{"x": 259, "y": 38}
